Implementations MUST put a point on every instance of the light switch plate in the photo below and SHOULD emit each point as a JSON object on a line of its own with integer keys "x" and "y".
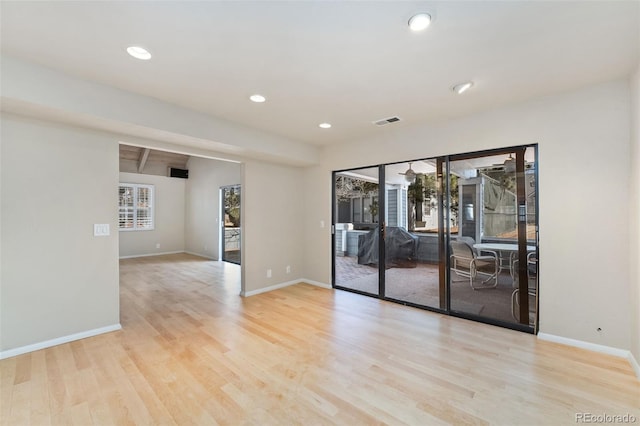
{"x": 100, "y": 229}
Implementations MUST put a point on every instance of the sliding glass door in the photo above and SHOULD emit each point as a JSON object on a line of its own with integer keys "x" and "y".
{"x": 412, "y": 230}
{"x": 455, "y": 234}
{"x": 493, "y": 237}
{"x": 356, "y": 226}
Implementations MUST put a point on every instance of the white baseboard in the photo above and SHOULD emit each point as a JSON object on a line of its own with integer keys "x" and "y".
{"x": 285, "y": 284}
{"x": 634, "y": 364}
{"x": 316, "y": 283}
{"x": 58, "y": 341}
{"x": 621, "y": 353}
{"x": 193, "y": 253}
{"x": 270, "y": 288}
{"x": 152, "y": 254}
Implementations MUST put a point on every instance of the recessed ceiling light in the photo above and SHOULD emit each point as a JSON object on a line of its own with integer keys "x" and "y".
{"x": 257, "y": 98}
{"x": 419, "y": 21}
{"x": 324, "y": 125}
{"x": 462, "y": 87}
{"x": 139, "y": 52}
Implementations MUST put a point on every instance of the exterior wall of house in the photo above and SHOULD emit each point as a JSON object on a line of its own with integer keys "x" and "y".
{"x": 202, "y": 221}
{"x": 57, "y": 279}
{"x": 169, "y": 208}
{"x": 635, "y": 216}
{"x": 583, "y": 136}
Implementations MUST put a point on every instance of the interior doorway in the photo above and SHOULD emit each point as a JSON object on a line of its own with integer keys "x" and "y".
{"x": 231, "y": 231}
{"x": 177, "y": 214}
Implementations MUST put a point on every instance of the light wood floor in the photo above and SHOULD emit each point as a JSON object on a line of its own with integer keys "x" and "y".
{"x": 193, "y": 352}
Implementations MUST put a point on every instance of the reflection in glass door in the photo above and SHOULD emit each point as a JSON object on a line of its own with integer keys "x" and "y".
{"x": 357, "y": 230}
{"x": 493, "y": 237}
{"x": 413, "y": 225}
{"x": 231, "y": 231}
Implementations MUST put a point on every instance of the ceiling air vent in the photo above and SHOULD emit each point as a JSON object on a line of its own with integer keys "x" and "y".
{"x": 386, "y": 121}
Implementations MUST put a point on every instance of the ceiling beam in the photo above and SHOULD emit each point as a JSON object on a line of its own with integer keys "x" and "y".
{"x": 143, "y": 159}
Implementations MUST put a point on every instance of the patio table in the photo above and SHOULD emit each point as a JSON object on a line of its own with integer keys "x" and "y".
{"x": 501, "y": 249}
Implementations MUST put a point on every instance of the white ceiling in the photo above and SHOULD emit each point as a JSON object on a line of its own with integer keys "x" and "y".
{"x": 348, "y": 63}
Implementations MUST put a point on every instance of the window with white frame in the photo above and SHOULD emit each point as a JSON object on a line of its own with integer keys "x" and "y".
{"x": 135, "y": 207}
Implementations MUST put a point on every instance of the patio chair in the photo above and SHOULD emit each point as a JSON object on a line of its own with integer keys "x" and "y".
{"x": 466, "y": 263}
{"x": 532, "y": 288}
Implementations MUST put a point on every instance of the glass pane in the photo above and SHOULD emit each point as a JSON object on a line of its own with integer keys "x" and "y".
{"x": 357, "y": 230}
{"x": 411, "y": 235}
{"x": 125, "y": 196}
{"x": 144, "y": 197}
{"x": 143, "y": 219}
{"x": 125, "y": 219}
{"x": 483, "y": 235}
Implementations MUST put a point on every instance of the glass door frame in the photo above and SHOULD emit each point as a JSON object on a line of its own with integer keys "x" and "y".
{"x": 380, "y": 228}
{"x": 444, "y": 232}
{"x": 521, "y": 213}
{"x": 382, "y": 201}
{"x": 442, "y": 254}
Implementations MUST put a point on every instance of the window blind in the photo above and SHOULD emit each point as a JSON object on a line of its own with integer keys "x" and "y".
{"x": 135, "y": 207}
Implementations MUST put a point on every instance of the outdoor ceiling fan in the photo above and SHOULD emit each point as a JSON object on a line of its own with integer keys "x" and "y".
{"x": 409, "y": 175}
{"x": 510, "y": 164}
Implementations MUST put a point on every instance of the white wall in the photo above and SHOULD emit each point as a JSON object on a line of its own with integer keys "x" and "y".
{"x": 635, "y": 215}
{"x": 202, "y": 221}
{"x": 169, "y": 205}
{"x": 57, "y": 279}
{"x": 317, "y": 224}
{"x": 272, "y": 223}
{"x": 583, "y": 141}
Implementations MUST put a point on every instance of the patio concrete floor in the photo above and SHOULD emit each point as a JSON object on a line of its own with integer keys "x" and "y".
{"x": 420, "y": 285}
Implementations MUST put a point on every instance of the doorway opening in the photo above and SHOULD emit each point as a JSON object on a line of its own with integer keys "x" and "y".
{"x": 231, "y": 230}
{"x": 170, "y": 211}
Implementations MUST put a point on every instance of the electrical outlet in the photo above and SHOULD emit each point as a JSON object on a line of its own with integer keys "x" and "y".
{"x": 157, "y": 245}
{"x": 268, "y": 273}
{"x": 288, "y": 269}
{"x": 205, "y": 248}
